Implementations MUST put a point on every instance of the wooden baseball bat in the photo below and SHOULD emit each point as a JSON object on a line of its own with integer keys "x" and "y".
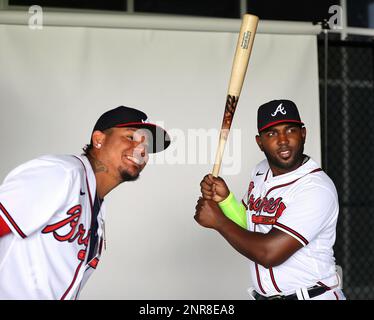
{"x": 239, "y": 67}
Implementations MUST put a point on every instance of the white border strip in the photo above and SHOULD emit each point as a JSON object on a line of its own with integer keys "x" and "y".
{"x": 355, "y": 31}
{"x": 150, "y": 21}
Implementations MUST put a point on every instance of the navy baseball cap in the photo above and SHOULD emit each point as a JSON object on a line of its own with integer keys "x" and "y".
{"x": 277, "y": 111}
{"x": 122, "y": 116}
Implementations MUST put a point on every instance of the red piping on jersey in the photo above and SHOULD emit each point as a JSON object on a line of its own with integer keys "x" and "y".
{"x": 80, "y": 265}
{"x": 293, "y": 232}
{"x": 88, "y": 190}
{"x": 257, "y": 272}
{"x": 13, "y": 223}
{"x": 246, "y": 207}
{"x": 92, "y": 210}
{"x": 75, "y": 278}
{"x": 288, "y": 183}
{"x": 258, "y": 279}
{"x": 273, "y": 280}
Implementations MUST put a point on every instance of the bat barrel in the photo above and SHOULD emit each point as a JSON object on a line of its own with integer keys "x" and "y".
{"x": 243, "y": 51}
{"x": 239, "y": 68}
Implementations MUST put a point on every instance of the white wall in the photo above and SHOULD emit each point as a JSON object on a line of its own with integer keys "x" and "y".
{"x": 56, "y": 82}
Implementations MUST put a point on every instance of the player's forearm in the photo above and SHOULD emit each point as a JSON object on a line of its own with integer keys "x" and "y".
{"x": 253, "y": 245}
{"x": 268, "y": 249}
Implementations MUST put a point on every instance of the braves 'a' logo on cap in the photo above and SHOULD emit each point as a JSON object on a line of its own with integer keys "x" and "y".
{"x": 279, "y": 109}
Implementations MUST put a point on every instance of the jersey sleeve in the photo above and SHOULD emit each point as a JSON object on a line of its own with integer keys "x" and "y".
{"x": 311, "y": 210}
{"x": 31, "y": 194}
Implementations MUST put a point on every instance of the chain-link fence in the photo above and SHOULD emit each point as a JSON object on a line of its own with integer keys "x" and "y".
{"x": 347, "y": 116}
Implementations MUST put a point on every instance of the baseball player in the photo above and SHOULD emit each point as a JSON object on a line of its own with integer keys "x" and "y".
{"x": 52, "y": 210}
{"x": 286, "y": 221}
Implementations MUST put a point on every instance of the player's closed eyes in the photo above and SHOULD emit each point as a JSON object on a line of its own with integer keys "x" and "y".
{"x": 130, "y": 137}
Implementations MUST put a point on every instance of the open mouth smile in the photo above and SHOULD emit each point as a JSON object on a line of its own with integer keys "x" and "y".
{"x": 134, "y": 160}
{"x": 285, "y": 154}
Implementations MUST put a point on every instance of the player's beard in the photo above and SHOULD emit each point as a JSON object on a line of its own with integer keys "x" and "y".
{"x": 292, "y": 164}
{"x": 126, "y": 176}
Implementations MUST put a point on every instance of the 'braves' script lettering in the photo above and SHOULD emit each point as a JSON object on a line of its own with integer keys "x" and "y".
{"x": 264, "y": 204}
{"x": 72, "y": 234}
{"x": 270, "y": 206}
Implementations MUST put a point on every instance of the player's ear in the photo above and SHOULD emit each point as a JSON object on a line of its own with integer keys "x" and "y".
{"x": 259, "y": 142}
{"x": 98, "y": 138}
{"x": 303, "y": 133}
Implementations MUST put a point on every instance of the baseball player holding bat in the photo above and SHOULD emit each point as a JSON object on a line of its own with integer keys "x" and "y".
{"x": 286, "y": 222}
{"x": 52, "y": 209}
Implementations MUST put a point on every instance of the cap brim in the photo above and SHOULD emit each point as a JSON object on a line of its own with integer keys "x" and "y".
{"x": 160, "y": 138}
{"x": 278, "y": 122}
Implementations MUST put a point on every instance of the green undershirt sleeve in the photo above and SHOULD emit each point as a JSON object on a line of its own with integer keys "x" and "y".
{"x": 234, "y": 210}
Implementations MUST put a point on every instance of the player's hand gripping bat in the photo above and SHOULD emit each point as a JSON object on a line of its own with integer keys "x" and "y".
{"x": 239, "y": 68}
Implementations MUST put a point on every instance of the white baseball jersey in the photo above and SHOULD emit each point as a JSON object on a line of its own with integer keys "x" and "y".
{"x": 48, "y": 204}
{"x": 304, "y": 204}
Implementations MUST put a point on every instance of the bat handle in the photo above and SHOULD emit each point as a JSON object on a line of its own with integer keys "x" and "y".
{"x": 219, "y": 155}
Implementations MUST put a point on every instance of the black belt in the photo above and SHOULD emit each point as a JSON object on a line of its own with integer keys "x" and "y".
{"x": 313, "y": 292}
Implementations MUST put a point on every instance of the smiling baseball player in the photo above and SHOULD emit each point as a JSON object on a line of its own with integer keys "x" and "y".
{"x": 52, "y": 208}
{"x": 286, "y": 222}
